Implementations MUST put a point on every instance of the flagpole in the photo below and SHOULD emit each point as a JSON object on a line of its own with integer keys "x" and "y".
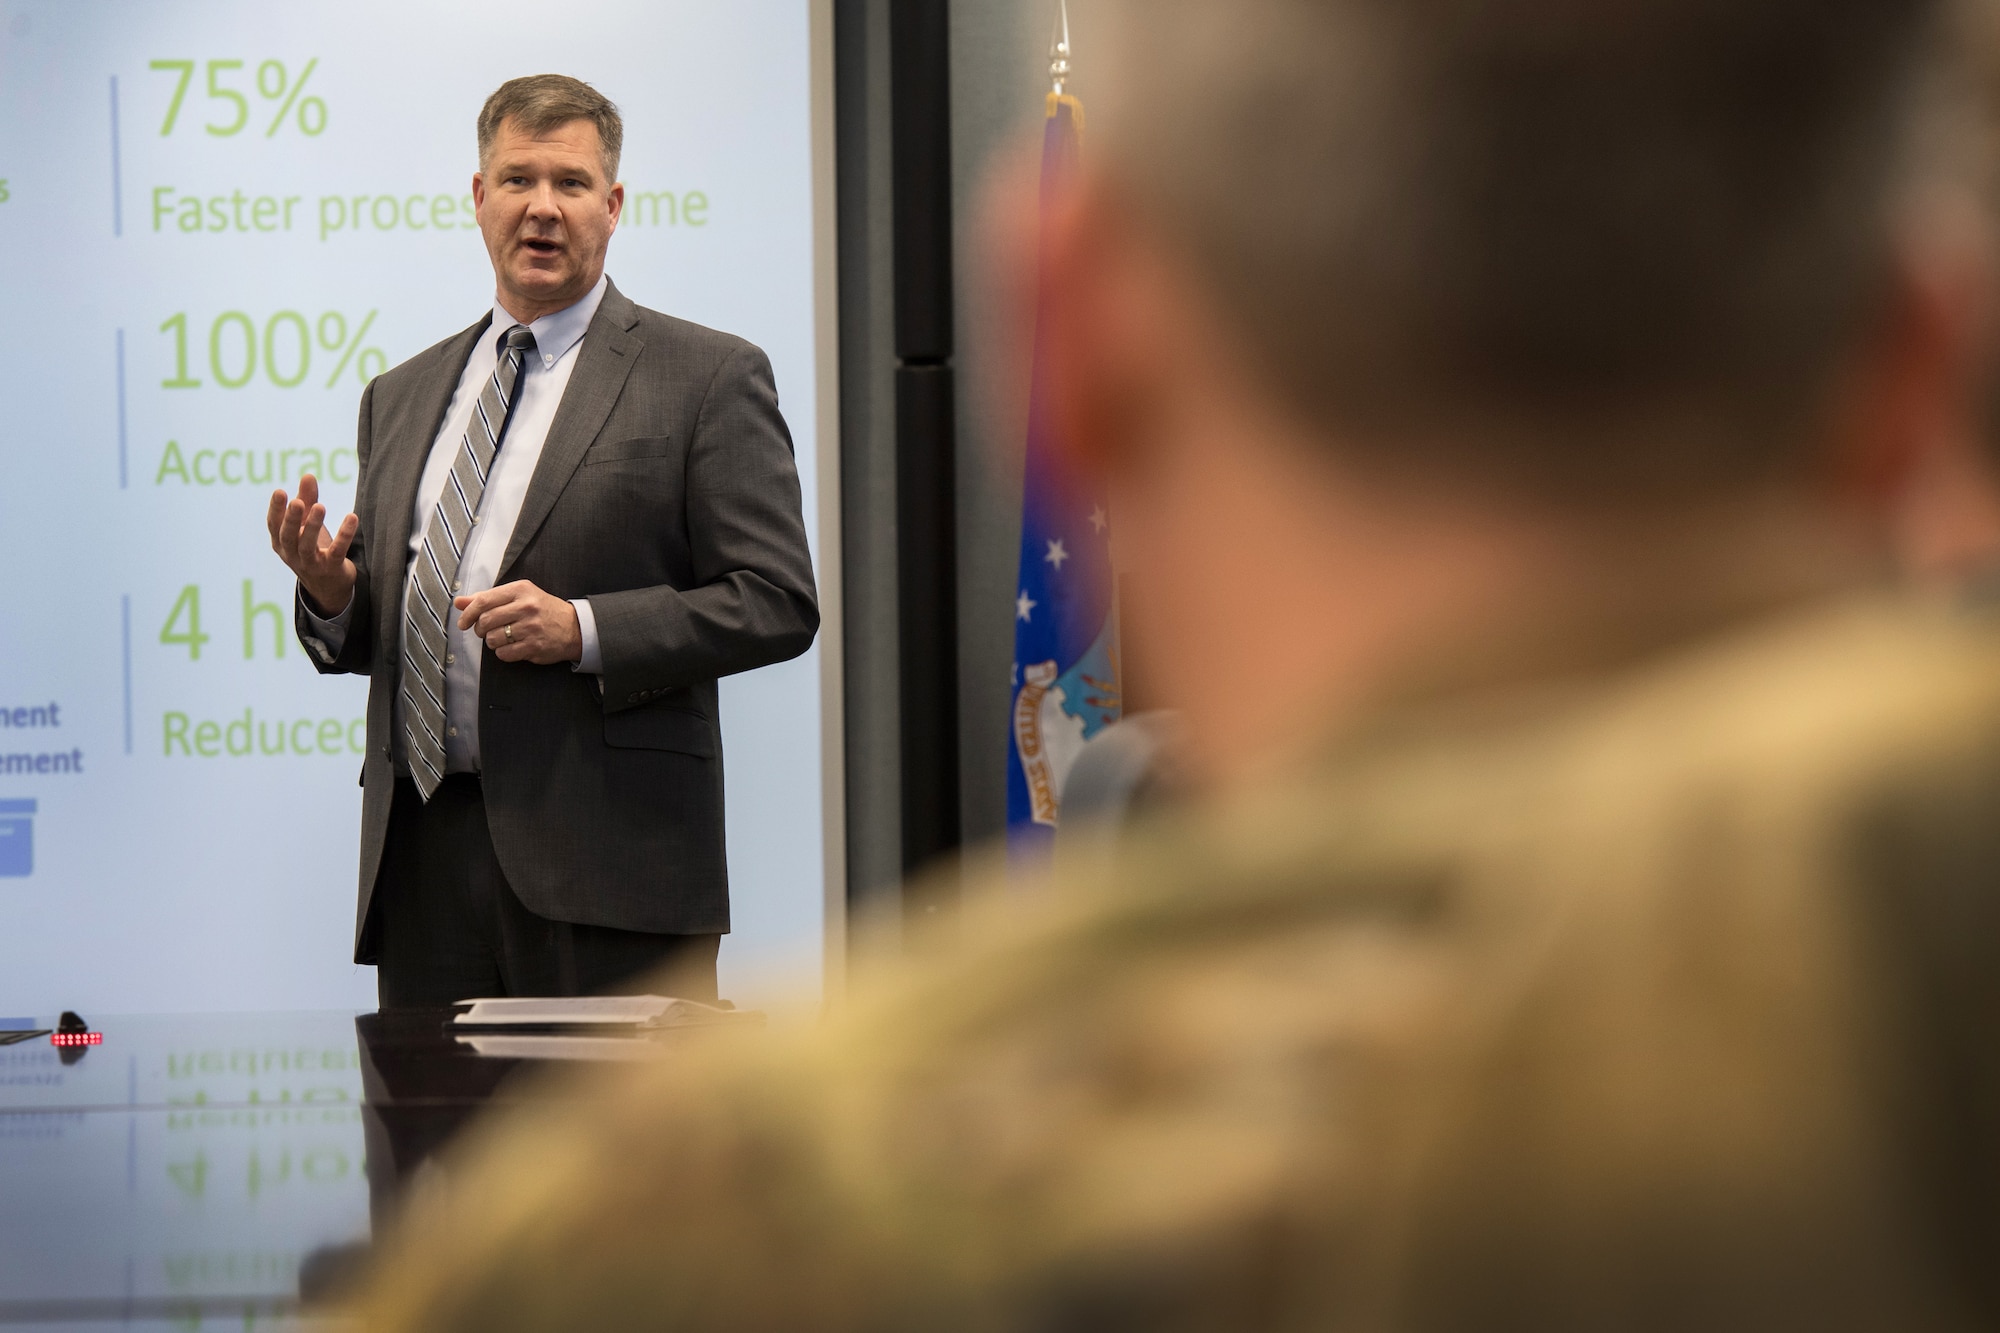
{"x": 1059, "y": 49}
{"x": 1060, "y": 69}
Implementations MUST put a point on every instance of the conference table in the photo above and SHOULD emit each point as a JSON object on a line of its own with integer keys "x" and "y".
{"x": 228, "y": 1171}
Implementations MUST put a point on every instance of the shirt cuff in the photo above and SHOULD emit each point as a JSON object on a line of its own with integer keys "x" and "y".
{"x": 592, "y": 660}
{"x": 328, "y": 636}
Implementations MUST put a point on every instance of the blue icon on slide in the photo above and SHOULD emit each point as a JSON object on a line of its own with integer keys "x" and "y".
{"x": 17, "y": 839}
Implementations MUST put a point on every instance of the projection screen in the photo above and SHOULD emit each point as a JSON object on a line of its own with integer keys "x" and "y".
{"x": 223, "y": 218}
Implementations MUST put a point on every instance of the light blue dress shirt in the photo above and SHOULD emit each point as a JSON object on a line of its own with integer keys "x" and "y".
{"x": 544, "y": 375}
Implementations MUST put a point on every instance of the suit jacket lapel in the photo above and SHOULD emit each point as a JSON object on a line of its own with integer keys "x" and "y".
{"x": 402, "y": 460}
{"x": 602, "y": 364}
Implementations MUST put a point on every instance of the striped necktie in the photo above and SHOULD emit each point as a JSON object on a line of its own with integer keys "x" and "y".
{"x": 427, "y": 609}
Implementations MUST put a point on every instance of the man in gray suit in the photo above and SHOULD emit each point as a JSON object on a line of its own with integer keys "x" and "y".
{"x": 571, "y": 519}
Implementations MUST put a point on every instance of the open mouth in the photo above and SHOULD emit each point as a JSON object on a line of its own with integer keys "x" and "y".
{"x": 536, "y": 245}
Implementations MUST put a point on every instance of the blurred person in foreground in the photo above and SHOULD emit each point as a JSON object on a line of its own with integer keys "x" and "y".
{"x": 1592, "y": 921}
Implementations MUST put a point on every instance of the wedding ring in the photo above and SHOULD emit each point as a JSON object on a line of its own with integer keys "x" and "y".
{"x": 509, "y": 630}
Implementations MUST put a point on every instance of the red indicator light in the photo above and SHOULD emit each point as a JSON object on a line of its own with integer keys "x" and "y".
{"x": 77, "y": 1039}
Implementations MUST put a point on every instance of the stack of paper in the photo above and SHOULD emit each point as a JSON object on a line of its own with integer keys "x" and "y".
{"x": 598, "y": 1011}
{"x": 510, "y": 1047}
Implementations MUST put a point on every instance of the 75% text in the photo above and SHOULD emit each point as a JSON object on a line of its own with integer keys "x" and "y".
{"x": 274, "y": 84}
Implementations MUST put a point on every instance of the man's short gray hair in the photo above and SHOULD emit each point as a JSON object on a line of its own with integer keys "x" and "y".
{"x": 1599, "y": 244}
{"x": 538, "y": 103}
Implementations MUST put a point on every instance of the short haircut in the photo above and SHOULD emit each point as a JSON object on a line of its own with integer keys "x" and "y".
{"x": 539, "y": 103}
{"x": 1602, "y": 245}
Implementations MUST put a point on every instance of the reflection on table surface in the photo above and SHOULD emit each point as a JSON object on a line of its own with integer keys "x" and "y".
{"x": 195, "y": 1172}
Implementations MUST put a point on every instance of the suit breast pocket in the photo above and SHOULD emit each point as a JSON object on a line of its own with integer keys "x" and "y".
{"x": 621, "y": 513}
{"x": 629, "y": 451}
{"x": 657, "y": 728}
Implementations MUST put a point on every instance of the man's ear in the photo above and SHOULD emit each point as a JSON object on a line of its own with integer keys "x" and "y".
{"x": 617, "y": 201}
{"x": 1073, "y": 329}
{"x": 1920, "y": 383}
{"x": 1119, "y": 317}
{"x": 478, "y": 193}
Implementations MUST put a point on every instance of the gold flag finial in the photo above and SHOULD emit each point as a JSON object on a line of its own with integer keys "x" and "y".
{"x": 1059, "y": 49}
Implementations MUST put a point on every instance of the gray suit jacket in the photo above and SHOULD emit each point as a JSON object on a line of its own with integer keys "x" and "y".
{"x": 667, "y": 495}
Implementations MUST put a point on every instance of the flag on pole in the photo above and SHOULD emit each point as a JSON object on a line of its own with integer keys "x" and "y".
{"x": 1066, "y": 677}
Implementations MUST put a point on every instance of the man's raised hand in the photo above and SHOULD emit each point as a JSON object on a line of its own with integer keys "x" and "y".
{"x": 299, "y": 536}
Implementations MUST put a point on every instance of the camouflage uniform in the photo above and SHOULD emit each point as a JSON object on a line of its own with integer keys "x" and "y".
{"x": 1658, "y": 994}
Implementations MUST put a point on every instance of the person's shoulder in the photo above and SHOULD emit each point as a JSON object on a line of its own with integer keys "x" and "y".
{"x": 1817, "y": 702}
{"x": 1765, "y": 745}
{"x": 687, "y": 333}
{"x": 688, "y": 344}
